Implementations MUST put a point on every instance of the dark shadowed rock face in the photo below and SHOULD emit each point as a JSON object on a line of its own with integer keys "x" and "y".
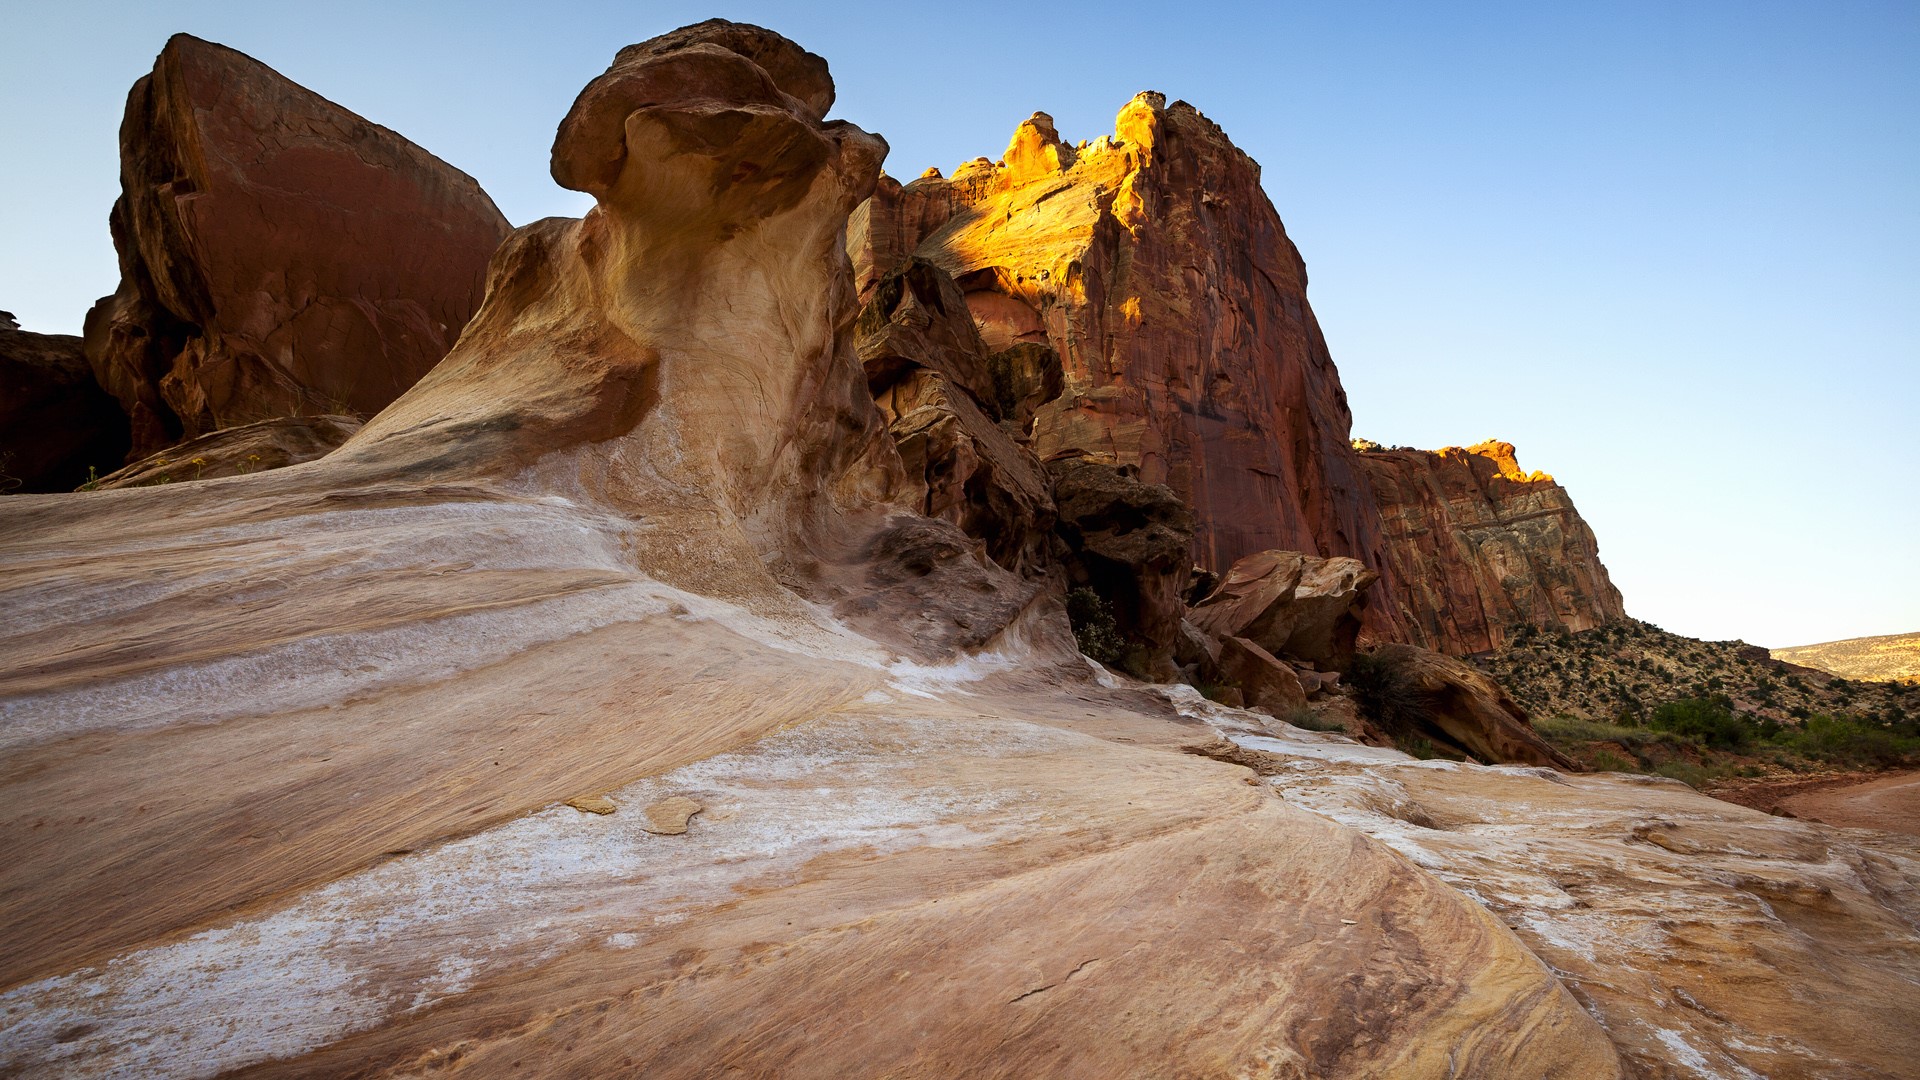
{"x": 941, "y": 393}
{"x": 1154, "y": 264}
{"x": 1479, "y": 547}
{"x": 279, "y": 255}
{"x": 1127, "y": 540}
{"x": 55, "y": 421}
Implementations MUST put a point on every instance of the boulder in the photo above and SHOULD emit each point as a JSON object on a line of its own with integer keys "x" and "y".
{"x": 279, "y": 255}
{"x": 1265, "y": 680}
{"x": 1128, "y": 540}
{"x": 56, "y": 423}
{"x": 237, "y": 451}
{"x": 1291, "y": 604}
{"x": 1479, "y": 546}
{"x": 1466, "y": 709}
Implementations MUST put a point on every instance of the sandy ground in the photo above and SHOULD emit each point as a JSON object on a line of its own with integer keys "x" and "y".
{"x": 1889, "y": 802}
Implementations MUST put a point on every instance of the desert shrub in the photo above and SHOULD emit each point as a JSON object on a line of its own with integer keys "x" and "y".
{"x": 1608, "y": 761}
{"x": 1094, "y": 628}
{"x": 1415, "y": 746}
{"x": 1387, "y": 695}
{"x": 1708, "y": 720}
{"x": 1850, "y": 741}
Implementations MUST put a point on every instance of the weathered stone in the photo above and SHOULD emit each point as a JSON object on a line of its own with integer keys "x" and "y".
{"x": 279, "y": 255}
{"x": 1154, "y": 264}
{"x": 55, "y": 421}
{"x": 1128, "y": 540}
{"x": 1480, "y": 547}
{"x": 237, "y": 451}
{"x": 1267, "y": 681}
{"x": 1292, "y": 604}
{"x": 1470, "y": 711}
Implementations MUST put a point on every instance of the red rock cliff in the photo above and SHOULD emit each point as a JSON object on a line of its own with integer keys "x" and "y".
{"x": 279, "y": 255}
{"x": 1478, "y": 546}
{"x": 1156, "y": 266}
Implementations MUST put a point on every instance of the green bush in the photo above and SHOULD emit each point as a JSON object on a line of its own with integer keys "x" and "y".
{"x": 1094, "y": 628}
{"x": 1709, "y": 720}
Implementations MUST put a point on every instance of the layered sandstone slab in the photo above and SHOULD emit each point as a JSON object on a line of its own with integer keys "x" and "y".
{"x": 1479, "y": 546}
{"x": 236, "y": 451}
{"x": 279, "y": 255}
{"x": 1701, "y": 932}
{"x": 1153, "y": 262}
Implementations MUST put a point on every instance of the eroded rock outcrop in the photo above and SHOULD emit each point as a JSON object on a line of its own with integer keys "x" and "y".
{"x": 936, "y": 385}
{"x": 1480, "y": 546}
{"x": 279, "y": 255}
{"x": 237, "y": 451}
{"x": 55, "y": 421}
{"x": 1153, "y": 263}
{"x": 1291, "y": 604}
{"x": 1127, "y": 540}
{"x": 1457, "y": 706}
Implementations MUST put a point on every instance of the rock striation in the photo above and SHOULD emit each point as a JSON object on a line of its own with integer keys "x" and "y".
{"x": 55, "y": 422}
{"x": 1479, "y": 547}
{"x": 1153, "y": 264}
{"x": 237, "y": 451}
{"x": 279, "y": 255}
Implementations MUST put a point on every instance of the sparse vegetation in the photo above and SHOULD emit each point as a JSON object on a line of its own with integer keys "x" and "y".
{"x": 1385, "y": 694}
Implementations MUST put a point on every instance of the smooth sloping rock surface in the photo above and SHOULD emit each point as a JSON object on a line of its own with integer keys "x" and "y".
{"x": 55, "y": 421}
{"x": 1711, "y": 940}
{"x": 1480, "y": 546}
{"x": 237, "y": 451}
{"x": 1154, "y": 264}
{"x": 279, "y": 255}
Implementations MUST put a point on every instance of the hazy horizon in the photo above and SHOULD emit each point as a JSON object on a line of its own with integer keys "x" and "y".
{"x": 1671, "y": 252}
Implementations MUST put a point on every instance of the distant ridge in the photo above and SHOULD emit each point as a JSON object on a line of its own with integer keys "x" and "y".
{"x": 1885, "y": 658}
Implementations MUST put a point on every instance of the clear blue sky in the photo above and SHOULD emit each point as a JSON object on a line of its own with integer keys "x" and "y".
{"x": 1671, "y": 250}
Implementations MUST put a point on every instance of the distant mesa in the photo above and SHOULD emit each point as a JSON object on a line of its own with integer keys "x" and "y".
{"x": 1886, "y": 658}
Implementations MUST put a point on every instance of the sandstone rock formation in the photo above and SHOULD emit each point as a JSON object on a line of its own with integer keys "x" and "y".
{"x": 1479, "y": 547}
{"x": 1156, "y": 267}
{"x": 518, "y": 731}
{"x": 1291, "y": 604}
{"x": 55, "y": 422}
{"x": 279, "y": 255}
{"x": 237, "y": 451}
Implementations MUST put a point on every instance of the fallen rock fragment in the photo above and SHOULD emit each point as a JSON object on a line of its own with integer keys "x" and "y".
{"x": 1291, "y": 604}
{"x": 669, "y": 817}
{"x": 592, "y": 804}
